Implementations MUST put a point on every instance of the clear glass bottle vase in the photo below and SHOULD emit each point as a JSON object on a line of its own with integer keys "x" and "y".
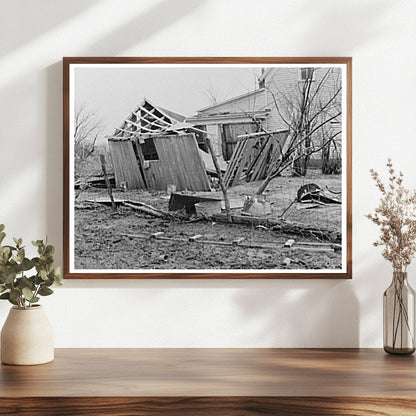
{"x": 399, "y": 316}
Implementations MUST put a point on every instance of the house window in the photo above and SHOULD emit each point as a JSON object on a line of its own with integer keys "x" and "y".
{"x": 149, "y": 150}
{"x": 307, "y": 74}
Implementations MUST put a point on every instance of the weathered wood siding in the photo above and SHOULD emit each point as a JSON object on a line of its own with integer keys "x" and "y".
{"x": 179, "y": 164}
{"x": 285, "y": 85}
{"x": 126, "y": 166}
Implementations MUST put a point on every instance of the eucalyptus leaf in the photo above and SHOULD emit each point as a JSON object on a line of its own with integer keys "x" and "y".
{"x": 15, "y": 294}
{"x": 9, "y": 277}
{"x": 2, "y": 226}
{"x": 46, "y": 260}
{"x": 17, "y": 241}
{"x": 49, "y": 250}
{"x": 45, "y": 291}
{"x": 4, "y": 255}
{"x": 5, "y": 250}
{"x": 26, "y": 264}
{"x": 24, "y": 282}
{"x": 27, "y": 293}
{"x": 43, "y": 274}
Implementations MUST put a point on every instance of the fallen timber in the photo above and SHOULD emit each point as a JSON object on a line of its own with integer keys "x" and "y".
{"x": 236, "y": 243}
{"x": 284, "y": 226}
{"x": 147, "y": 209}
{"x": 272, "y": 223}
{"x": 136, "y": 205}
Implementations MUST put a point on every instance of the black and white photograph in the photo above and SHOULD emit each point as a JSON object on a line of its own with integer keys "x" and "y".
{"x": 207, "y": 169}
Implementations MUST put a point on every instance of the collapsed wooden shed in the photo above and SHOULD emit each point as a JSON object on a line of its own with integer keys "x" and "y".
{"x": 154, "y": 162}
{"x": 149, "y": 152}
{"x": 255, "y": 156}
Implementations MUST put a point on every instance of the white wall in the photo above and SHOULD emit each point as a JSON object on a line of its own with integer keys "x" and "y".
{"x": 380, "y": 35}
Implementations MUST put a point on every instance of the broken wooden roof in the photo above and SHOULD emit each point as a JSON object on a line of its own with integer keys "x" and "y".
{"x": 147, "y": 118}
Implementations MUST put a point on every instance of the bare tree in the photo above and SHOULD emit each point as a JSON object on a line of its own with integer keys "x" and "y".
{"x": 87, "y": 129}
{"x": 212, "y": 94}
{"x": 308, "y": 114}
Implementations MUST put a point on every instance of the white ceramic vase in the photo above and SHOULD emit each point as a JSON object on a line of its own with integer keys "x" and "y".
{"x": 27, "y": 337}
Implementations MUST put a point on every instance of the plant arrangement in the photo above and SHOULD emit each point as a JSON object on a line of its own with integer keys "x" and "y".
{"x": 396, "y": 217}
{"x": 23, "y": 280}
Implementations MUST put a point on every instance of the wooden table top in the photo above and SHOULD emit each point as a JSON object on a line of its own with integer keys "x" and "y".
{"x": 214, "y": 372}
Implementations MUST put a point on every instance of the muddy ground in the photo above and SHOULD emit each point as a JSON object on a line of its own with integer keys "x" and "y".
{"x": 101, "y": 243}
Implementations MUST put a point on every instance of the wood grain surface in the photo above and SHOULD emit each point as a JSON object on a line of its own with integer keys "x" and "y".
{"x": 212, "y": 381}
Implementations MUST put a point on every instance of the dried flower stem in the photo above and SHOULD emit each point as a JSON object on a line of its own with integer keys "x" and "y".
{"x": 396, "y": 217}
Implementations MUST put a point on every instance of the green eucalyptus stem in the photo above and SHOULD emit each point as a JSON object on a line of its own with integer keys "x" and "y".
{"x": 23, "y": 280}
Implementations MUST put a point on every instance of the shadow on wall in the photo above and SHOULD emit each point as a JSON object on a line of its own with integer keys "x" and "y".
{"x": 157, "y": 18}
{"x": 39, "y": 15}
{"x": 350, "y": 24}
{"x": 301, "y": 313}
{"x": 131, "y": 33}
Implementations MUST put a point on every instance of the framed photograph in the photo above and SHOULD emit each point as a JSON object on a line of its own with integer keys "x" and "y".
{"x": 207, "y": 168}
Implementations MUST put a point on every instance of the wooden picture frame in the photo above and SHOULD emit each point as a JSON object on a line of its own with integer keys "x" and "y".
{"x": 289, "y": 125}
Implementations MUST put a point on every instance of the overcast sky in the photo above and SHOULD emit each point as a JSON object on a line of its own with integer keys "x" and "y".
{"x": 113, "y": 93}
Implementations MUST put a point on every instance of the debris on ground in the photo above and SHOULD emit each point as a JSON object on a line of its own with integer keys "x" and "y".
{"x": 312, "y": 192}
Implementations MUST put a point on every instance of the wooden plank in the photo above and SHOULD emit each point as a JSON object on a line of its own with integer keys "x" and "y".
{"x": 274, "y": 157}
{"x": 148, "y": 210}
{"x": 199, "y": 240}
{"x": 260, "y": 167}
{"x": 313, "y": 244}
{"x": 312, "y": 249}
{"x": 126, "y": 167}
{"x": 179, "y": 164}
{"x": 233, "y": 163}
{"x": 151, "y": 113}
{"x": 245, "y": 156}
{"x": 260, "y": 156}
{"x": 263, "y": 133}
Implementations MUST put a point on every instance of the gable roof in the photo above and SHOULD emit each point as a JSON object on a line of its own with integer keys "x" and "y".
{"x": 231, "y": 100}
{"x": 147, "y": 118}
